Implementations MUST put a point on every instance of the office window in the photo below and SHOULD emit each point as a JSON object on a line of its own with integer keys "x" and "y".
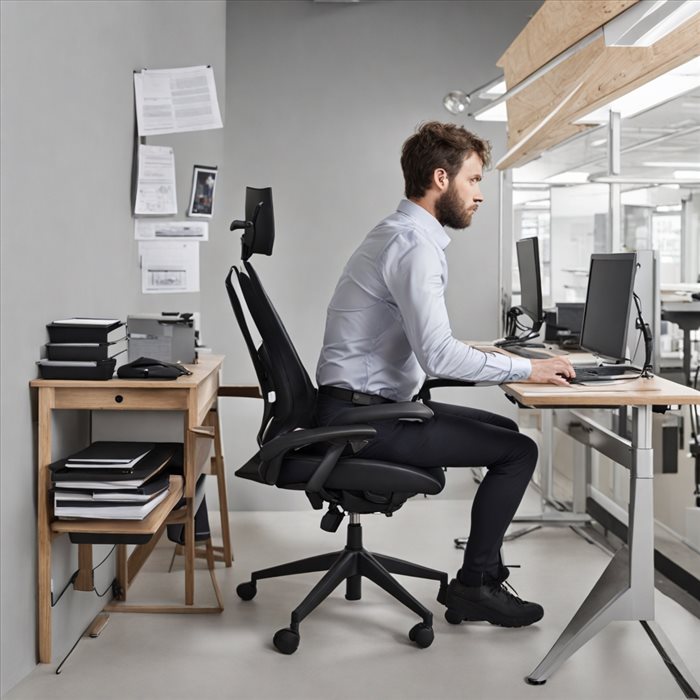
{"x": 666, "y": 240}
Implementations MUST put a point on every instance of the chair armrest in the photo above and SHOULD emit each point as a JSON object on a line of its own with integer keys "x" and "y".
{"x": 436, "y": 383}
{"x": 407, "y": 410}
{"x": 300, "y": 438}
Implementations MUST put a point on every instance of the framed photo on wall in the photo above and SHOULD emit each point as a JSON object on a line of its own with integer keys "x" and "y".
{"x": 203, "y": 184}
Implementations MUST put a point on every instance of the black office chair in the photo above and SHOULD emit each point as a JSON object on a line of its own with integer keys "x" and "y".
{"x": 294, "y": 454}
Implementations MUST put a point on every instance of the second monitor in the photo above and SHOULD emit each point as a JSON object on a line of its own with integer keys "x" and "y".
{"x": 528, "y": 253}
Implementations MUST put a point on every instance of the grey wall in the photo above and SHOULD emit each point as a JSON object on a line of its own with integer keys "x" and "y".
{"x": 320, "y": 97}
{"x": 317, "y": 100}
{"x": 67, "y": 237}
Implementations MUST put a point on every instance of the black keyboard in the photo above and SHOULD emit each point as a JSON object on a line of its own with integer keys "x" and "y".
{"x": 526, "y": 352}
{"x": 597, "y": 373}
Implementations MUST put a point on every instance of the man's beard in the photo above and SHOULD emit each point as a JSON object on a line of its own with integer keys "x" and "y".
{"x": 450, "y": 210}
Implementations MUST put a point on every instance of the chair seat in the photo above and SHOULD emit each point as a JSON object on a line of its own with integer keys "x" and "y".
{"x": 351, "y": 474}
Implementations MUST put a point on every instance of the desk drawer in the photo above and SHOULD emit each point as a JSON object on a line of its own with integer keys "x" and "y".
{"x": 120, "y": 399}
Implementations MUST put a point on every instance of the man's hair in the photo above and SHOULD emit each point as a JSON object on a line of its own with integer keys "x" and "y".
{"x": 437, "y": 145}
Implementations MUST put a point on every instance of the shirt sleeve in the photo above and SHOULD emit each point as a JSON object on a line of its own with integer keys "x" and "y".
{"x": 413, "y": 275}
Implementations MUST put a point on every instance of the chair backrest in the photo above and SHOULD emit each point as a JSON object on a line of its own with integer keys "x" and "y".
{"x": 288, "y": 392}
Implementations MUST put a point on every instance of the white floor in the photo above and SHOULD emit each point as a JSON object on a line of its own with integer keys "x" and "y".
{"x": 360, "y": 649}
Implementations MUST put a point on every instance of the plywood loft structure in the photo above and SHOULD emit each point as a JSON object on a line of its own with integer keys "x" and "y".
{"x": 584, "y": 73}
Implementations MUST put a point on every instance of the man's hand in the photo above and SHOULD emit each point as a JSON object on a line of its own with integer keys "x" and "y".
{"x": 552, "y": 371}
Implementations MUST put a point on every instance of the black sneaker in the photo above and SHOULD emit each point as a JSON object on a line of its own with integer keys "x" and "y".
{"x": 491, "y": 602}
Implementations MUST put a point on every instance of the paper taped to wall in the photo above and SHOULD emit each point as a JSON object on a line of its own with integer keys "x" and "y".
{"x": 155, "y": 184}
{"x": 148, "y": 230}
{"x": 169, "y": 267}
{"x": 178, "y": 99}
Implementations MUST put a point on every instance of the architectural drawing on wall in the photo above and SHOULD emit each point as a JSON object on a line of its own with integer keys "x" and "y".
{"x": 169, "y": 266}
{"x": 175, "y": 100}
{"x": 149, "y": 230}
{"x": 155, "y": 184}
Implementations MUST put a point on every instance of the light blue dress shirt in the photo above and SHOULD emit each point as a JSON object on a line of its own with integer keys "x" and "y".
{"x": 387, "y": 325}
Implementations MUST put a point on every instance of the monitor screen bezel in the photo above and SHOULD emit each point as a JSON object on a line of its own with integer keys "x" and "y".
{"x": 622, "y": 358}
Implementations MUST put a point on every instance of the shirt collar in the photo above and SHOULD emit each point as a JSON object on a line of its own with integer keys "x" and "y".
{"x": 427, "y": 223}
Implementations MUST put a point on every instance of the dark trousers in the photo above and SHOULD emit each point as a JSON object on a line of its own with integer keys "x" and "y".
{"x": 458, "y": 436}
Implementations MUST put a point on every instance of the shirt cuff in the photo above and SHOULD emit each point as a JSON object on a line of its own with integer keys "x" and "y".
{"x": 520, "y": 369}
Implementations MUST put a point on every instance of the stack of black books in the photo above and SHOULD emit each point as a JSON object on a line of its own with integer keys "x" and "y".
{"x": 84, "y": 348}
{"x": 111, "y": 480}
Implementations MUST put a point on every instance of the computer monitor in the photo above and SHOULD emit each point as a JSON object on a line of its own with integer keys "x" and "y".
{"x": 528, "y": 253}
{"x": 608, "y": 304}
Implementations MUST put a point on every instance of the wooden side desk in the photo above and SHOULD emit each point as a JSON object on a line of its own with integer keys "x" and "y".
{"x": 625, "y": 591}
{"x": 194, "y": 396}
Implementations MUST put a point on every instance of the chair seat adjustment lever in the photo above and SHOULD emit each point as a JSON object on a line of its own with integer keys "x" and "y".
{"x": 330, "y": 522}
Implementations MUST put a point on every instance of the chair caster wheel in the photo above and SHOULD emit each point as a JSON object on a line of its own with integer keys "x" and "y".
{"x": 454, "y": 617}
{"x": 246, "y": 590}
{"x": 422, "y": 635}
{"x": 286, "y": 640}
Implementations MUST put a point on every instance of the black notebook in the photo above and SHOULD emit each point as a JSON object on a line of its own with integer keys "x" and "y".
{"x": 139, "y": 494}
{"x": 146, "y": 469}
{"x": 86, "y": 330}
{"x": 107, "y": 455}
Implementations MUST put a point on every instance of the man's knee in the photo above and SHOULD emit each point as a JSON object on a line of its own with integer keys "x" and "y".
{"x": 529, "y": 453}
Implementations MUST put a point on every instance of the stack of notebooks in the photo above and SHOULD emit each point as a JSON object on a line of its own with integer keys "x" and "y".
{"x": 111, "y": 480}
{"x": 84, "y": 348}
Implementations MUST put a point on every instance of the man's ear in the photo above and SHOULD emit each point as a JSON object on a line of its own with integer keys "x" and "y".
{"x": 440, "y": 179}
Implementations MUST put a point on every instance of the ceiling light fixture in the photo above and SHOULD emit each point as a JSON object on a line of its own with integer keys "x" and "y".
{"x": 648, "y": 21}
{"x": 667, "y": 86}
{"x": 457, "y": 101}
{"x": 573, "y": 177}
{"x": 642, "y": 24}
{"x": 687, "y": 174}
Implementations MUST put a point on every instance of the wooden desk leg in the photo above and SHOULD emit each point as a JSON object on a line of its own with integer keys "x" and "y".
{"x": 46, "y": 404}
{"x": 122, "y": 571}
{"x": 219, "y": 468}
{"x": 85, "y": 580}
{"x": 190, "y": 490}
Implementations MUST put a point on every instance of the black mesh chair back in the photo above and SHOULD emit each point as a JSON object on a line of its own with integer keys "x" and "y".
{"x": 296, "y": 454}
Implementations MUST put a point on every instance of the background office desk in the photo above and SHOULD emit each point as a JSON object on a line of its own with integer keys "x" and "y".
{"x": 625, "y": 591}
{"x": 685, "y": 314}
{"x": 195, "y": 396}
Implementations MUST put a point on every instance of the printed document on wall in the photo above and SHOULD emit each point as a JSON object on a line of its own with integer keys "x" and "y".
{"x": 155, "y": 184}
{"x": 155, "y": 229}
{"x": 169, "y": 266}
{"x": 178, "y": 99}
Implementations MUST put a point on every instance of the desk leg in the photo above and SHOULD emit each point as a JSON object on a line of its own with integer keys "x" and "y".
{"x": 550, "y": 513}
{"x": 46, "y": 404}
{"x": 190, "y": 490}
{"x": 625, "y": 591}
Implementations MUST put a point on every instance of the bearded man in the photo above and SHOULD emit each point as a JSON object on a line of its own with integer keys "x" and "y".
{"x": 387, "y": 328}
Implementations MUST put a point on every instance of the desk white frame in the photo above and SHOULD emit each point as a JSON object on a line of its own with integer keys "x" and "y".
{"x": 625, "y": 590}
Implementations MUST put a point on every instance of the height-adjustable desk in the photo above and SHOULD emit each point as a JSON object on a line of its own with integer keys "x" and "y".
{"x": 625, "y": 591}
{"x": 194, "y": 396}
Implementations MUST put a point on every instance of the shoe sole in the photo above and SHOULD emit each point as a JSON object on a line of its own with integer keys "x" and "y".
{"x": 476, "y": 613}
